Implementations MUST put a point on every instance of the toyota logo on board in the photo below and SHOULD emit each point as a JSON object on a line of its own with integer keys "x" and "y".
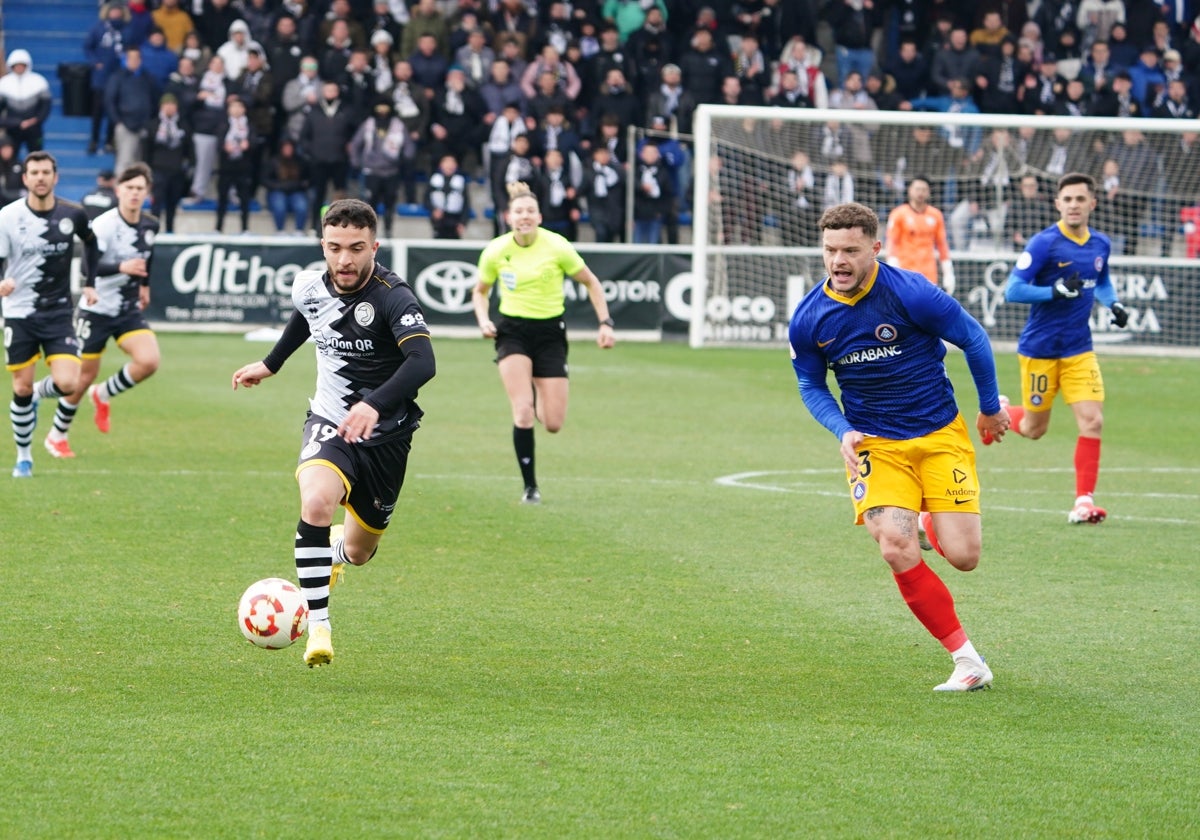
{"x": 446, "y": 286}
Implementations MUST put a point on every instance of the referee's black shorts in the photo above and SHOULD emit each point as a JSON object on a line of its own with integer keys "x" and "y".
{"x": 543, "y": 340}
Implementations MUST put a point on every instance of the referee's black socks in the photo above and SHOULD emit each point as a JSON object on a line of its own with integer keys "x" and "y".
{"x": 523, "y": 444}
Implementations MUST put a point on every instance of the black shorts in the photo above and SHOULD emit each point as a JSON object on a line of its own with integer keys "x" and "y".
{"x": 543, "y": 340}
{"x": 372, "y": 471}
{"x": 94, "y": 330}
{"x": 50, "y": 332}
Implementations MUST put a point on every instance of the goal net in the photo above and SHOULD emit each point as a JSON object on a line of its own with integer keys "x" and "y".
{"x": 762, "y": 176}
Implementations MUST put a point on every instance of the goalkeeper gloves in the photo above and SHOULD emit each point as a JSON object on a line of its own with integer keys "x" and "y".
{"x": 1068, "y": 288}
{"x": 1120, "y": 315}
{"x": 948, "y": 277}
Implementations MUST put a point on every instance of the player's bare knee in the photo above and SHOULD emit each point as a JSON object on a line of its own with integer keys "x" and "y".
{"x": 524, "y": 416}
{"x": 316, "y": 511}
{"x": 900, "y": 555}
{"x": 963, "y": 561}
{"x": 553, "y": 426}
{"x": 360, "y": 555}
{"x": 963, "y": 551}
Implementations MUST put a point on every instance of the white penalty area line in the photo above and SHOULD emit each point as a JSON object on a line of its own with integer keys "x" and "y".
{"x": 775, "y": 481}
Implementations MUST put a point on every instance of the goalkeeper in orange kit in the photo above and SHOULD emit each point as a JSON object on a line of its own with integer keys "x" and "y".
{"x": 916, "y": 236}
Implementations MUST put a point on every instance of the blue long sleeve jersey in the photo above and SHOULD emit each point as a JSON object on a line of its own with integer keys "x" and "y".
{"x": 885, "y": 348}
{"x": 1059, "y": 327}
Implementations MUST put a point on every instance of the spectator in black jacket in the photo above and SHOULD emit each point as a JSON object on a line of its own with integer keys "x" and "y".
{"x": 457, "y": 119}
{"x": 324, "y": 138}
{"x": 652, "y": 40}
{"x": 235, "y": 171}
{"x": 168, "y": 153}
{"x": 286, "y": 180}
{"x": 704, "y": 66}
{"x": 256, "y": 88}
{"x": 213, "y": 24}
{"x": 12, "y": 184}
{"x": 852, "y": 22}
{"x": 1117, "y": 100}
{"x": 183, "y": 84}
{"x": 555, "y": 132}
{"x": 208, "y": 110}
{"x": 412, "y": 107}
{"x": 558, "y": 195}
{"x": 616, "y": 97}
{"x": 652, "y": 197}
{"x": 671, "y": 99}
{"x": 131, "y": 101}
{"x": 611, "y": 56}
{"x": 603, "y": 187}
{"x": 357, "y": 82}
{"x": 910, "y": 70}
{"x": 1029, "y": 212}
{"x": 1000, "y": 79}
{"x": 284, "y": 53}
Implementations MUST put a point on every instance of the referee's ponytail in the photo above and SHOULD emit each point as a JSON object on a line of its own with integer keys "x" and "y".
{"x": 519, "y": 189}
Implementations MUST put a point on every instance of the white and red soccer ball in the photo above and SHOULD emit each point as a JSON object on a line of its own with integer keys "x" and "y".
{"x": 273, "y": 613}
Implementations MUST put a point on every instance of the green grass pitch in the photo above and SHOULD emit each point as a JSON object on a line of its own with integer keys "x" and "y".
{"x": 687, "y": 639}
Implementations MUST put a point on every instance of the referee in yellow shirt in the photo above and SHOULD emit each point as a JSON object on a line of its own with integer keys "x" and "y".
{"x": 531, "y": 337}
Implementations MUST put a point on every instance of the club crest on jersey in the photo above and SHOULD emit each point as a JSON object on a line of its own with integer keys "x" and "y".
{"x": 66, "y": 227}
{"x": 1099, "y": 263}
{"x": 311, "y": 450}
{"x": 886, "y": 333}
{"x": 859, "y": 491}
{"x": 149, "y": 238}
{"x": 364, "y": 313}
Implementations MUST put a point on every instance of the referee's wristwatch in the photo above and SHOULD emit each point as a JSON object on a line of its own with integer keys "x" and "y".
{"x": 607, "y": 322}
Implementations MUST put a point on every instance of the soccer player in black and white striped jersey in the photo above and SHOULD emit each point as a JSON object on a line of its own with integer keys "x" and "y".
{"x": 112, "y": 307}
{"x": 36, "y": 242}
{"x": 373, "y": 354}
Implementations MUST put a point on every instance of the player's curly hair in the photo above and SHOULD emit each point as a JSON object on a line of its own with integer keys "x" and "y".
{"x": 850, "y": 215}
{"x": 519, "y": 189}
{"x": 350, "y": 212}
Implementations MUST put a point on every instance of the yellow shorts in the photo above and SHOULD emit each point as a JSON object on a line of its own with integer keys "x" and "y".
{"x": 935, "y": 473}
{"x": 1078, "y": 377}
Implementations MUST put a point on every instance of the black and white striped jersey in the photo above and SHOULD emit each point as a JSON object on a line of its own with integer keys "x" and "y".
{"x": 117, "y": 240}
{"x": 358, "y": 336}
{"x": 37, "y": 249}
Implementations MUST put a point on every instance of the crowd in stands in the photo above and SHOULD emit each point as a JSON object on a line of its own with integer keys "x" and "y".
{"x": 408, "y": 102}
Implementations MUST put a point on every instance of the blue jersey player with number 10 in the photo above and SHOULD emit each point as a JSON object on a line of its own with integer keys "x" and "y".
{"x": 909, "y": 459}
{"x": 1061, "y": 274}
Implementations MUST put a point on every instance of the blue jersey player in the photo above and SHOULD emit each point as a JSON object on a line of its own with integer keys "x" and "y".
{"x": 909, "y": 459}
{"x": 1061, "y": 274}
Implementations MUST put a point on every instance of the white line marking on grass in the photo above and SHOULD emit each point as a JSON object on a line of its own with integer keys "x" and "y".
{"x": 753, "y": 480}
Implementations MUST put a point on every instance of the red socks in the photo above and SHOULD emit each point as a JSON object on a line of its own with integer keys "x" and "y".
{"x": 932, "y": 604}
{"x": 1015, "y": 415}
{"x": 1087, "y": 465}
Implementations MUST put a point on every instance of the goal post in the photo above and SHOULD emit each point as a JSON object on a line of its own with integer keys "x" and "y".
{"x": 763, "y": 175}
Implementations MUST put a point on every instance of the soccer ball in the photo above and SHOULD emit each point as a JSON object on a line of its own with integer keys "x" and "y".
{"x": 272, "y": 613}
